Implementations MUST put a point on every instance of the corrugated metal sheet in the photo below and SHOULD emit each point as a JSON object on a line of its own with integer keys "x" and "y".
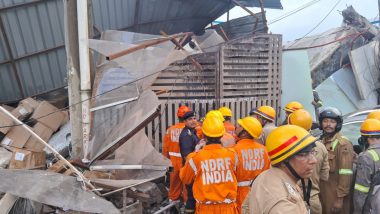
{"x": 240, "y": 27}
{"x": 36, "y": 62}
{"x": 273, "y": 4}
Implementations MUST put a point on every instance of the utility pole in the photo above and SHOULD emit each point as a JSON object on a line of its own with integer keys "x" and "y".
{"x": 85, "y": 74}
{"x": 72, "y": 53}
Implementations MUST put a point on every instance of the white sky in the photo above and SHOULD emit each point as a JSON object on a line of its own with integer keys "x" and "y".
{"x": 300, "y": 23}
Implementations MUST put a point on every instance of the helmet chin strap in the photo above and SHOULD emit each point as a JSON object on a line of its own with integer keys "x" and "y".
{"x": 306, "y": 190}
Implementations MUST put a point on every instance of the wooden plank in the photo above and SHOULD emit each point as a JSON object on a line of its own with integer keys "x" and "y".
{"x": 163, "y": 122}
{"x": 175, "y": 112}
{"x": 238, "y": 109}
{"x": 156, "y": 133}
{"x": 170, "y": 110}
{"x": 220, "y": 74}
{"x": 270, "y": 69}
{"x": 243, "y": 109}
{"x": 149, "y": 128}
{"x": 245, "y": 67}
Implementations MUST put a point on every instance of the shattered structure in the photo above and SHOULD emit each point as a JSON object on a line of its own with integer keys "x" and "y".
{"x": 344, "y": 59}
{"x": 140, "y": 80}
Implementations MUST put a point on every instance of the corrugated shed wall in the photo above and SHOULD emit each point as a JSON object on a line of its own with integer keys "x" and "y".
{"x": 35, "y": 52}
{"x": 32, "y": 54}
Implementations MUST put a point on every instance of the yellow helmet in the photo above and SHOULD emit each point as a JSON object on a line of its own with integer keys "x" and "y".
{"x": 301, "y": 118}
{"x": 293, "y": 106}
{"x": 226, "y": 112}
{"x": 216, "y": 114}
{"x": 287, "y": 140}
{"x": 213, "y": 127}
{"x": 267, "y": 112}
{"x": 374, "y": 115}
{"x": 251, "y": 125}
{"x": 370, "y": 127}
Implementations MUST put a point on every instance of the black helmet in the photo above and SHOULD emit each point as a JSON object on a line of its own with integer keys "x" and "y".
{"x": 332, "y": 113}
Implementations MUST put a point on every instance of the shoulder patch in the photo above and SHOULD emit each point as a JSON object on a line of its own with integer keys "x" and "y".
{"x": 292, "y": 195}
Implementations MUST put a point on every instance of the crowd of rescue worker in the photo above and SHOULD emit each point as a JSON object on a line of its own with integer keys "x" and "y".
{"x": 259, "y": 168}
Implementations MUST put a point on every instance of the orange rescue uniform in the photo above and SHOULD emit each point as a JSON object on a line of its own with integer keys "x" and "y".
{"x": 230, "y": 128}
{"x": 170, "y": 149}
{"x": 213, "y": 171}
{"x": 253, "y": 160}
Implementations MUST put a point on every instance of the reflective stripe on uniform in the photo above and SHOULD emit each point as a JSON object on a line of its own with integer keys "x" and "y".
{"x": 361, "y": 188}
{"x": 334, "y": 144}
{"x": 236, "y": 161}
{"x": 225, "y": 201}
{"x": 345, "y": 172}
{"x": 374, "y": 154}
{"x": 245, "y": 183}
{"x": 175, "y": 154}
{"x": 192, "y": 164}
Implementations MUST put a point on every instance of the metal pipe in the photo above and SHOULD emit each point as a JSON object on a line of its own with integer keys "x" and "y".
{"x": 85, "y": 76}
{"x": 144, "y": 45}
{"x": 112, "y": 167}
{"x": 132, "y": 185}
{"x": 173, "y": 203}
{"x": 59, "y": 156}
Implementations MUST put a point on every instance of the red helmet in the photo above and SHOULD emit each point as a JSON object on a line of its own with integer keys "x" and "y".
{"x": 182, "y": 111}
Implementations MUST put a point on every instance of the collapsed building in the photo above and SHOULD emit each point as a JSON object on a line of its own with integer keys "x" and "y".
{"x": 139, "y": 80}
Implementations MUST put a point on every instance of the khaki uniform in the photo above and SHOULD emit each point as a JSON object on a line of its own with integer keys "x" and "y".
{"x": 340, "y": 154}
{"x": 367, "y": 164}
{"x": 321, "y": 172}
{"x": 275, "y": 192}
{"x": 267, "y": 129}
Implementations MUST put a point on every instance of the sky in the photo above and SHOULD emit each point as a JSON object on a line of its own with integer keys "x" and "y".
{"x": 297, "y": 25}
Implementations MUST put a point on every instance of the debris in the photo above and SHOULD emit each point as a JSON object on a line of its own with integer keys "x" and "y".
{"x": 5, "y": 158}
{"x": 7, "y": 202}
{"x": 53, "y": 189}
{"x": 24, "y": 159}
{"x": 365, "y": 65}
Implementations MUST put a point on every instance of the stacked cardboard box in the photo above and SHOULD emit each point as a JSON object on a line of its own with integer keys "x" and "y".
{"x": 44, "y": 119}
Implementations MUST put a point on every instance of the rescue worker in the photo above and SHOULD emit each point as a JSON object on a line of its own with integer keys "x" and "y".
{"x": 290, "y": 108}
{"x": 266, "y": 115}
{"x": 253, "y": 156}
{"x": 303, "y": 119}
{"x": 335, "y": 193}
{"x": 228, "y": 140}
{"x": 275, "y": 191}
{"x": 227, "y": 114}
{"x": 212, "y": 171}
{"x": 367, "y": 165}
{"x": 188, "y": 139}
{"x": 170, "y": 149}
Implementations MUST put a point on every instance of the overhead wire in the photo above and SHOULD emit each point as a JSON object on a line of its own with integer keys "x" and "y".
{"x": 319, "y": 23}
{"x": 141, "y": 78}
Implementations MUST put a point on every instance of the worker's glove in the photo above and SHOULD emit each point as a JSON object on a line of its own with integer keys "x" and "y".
{"x": 200, "y": 145}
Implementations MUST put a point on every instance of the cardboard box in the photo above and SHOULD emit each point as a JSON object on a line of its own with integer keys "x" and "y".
{"x": 33, "y": 144}
{"x": 24, "y": 159}
{"x": 5, "y": 121}
{"x": 66, "y": 119}
{"x": 16, "y": 137}
{"x": 48, "y": 115}
{"x": 8, "y": 108}
{"x": 22, "y": 112}
{"x": 30, "y": 102}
